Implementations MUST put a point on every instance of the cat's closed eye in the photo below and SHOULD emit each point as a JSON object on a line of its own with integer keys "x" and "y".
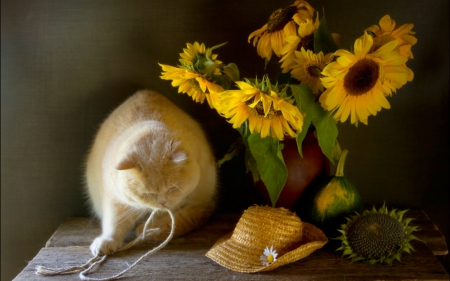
{"x": 173, "y": 188}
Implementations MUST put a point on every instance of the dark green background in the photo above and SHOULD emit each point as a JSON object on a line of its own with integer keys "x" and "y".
{"x": 66, "y": 64}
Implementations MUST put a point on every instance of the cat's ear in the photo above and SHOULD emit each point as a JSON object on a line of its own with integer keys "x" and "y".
{"x": 179, "y": 156}
{"x": 125, "y": 164}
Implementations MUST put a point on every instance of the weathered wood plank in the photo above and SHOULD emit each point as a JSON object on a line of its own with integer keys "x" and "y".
{"x": 82, "y": 231}
{"x": 184, "y": 257}
{"x": 75, "y": 232}
{"x": 188, "y": 262}
{"x": 429, "y": 232}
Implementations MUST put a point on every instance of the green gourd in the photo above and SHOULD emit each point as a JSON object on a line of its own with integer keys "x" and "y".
{"x": 334, "y": 200}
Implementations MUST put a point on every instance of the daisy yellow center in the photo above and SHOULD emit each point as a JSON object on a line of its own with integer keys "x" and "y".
{"x": 361, "y": 77}
{"x": 307, "y": 43}
{"x": 258, "y": 111}
{"x": 270, "y": 258}
{"x": 280, "y": 18}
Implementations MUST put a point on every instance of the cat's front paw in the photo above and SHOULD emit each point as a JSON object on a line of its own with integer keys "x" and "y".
{"x": 105, "y": 245}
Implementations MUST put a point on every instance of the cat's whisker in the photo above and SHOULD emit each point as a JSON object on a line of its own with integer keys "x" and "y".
{"x": 124, "y": 216}
{"x": 176, "y": 187}
{"x": 129, "y": 213}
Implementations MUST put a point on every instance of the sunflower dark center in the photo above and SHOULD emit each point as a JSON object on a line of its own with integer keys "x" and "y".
{"x": 306, "y": 42}
{"x": 361, "y": 77}
{"x": 280, "y": 18}
{"x": 314, "y": 71}
{"x": 258, "y": 110}
{"x": 375, "y": 235}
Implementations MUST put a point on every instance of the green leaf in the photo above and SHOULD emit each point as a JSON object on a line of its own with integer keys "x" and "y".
{"x": 325, "y": 124}
{"x": 301, "y": 136}
{"x": 347, "y": 252}
{"x": 412, "y": 237}
{"x": 337, "y": 151}
{"x": 232, "y": 71}
{"x": 407, "y": 249}
{"x": 305, "y": 103}
{"x": 397, "y": 256}
{"x": 286, "y": 78}
{"x": 225, "y": 158}
{"x": 244, "y": 131}
{"x": 358, "y": 258}
{"x": 304, "y": 98}
{"x": 250, "y": 162}
{"x": 223, "y": 81}
{"x": 207, "y": 68}
{"x": 400, "y": 215}
{"x": 209, "y": 53}
{"x": 327, "y": 133}
{"x": 269, "y": 160}
{"x": 389, "y": 260}
{"x": 407, "y": 221}
{"x": 233, "y": 151}
{"x": 323, "y": 40}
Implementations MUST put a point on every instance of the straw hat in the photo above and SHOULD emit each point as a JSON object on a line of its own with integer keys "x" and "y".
{"x": 261, "y": 227}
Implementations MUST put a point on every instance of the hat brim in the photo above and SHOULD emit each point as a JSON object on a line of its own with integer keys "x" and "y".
{"x": 245, "y": 258}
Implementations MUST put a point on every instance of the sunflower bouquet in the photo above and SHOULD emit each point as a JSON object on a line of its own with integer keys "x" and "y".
{"x": 319, "y": 85}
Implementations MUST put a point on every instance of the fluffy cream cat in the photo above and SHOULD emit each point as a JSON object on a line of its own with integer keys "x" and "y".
{"x": 149, "y": 154}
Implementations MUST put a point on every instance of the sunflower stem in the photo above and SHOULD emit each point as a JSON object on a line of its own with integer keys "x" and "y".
{"x": 341, "y": 163}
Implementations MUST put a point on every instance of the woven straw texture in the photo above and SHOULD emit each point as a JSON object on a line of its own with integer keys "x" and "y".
{"x": 261, "y": 227}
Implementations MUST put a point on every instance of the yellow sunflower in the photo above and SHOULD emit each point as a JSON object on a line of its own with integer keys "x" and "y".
{"x": 357, "y": 84}
{"x": 389, "y": 30}
{"x": 281, "y": 24}
{"x": 192, "y": 83}
{"x": 308, "y": 68}
{"x": 189, "y": 55}
{"x": 304, "y": 39}
{"x": 267, "y": 113}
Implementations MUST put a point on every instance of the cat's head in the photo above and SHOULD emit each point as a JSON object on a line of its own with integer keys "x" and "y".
{"x": 156, "y": 171}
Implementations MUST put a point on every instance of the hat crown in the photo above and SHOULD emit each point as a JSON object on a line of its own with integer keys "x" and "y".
{"x": 263, "y": 226}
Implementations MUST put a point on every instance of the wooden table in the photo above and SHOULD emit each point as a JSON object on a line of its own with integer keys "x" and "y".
{"x": 184, "y": 258}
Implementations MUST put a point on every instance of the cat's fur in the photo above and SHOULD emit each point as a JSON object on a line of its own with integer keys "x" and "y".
{"x": 149, "y": 154}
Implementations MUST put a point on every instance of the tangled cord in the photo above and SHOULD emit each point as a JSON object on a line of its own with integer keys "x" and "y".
{"x": 93, "y": 264}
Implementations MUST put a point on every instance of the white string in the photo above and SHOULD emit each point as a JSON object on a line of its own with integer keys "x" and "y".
{"x": 136, "y": 240}
{"x": 93, "y": 264}
{"x": 45, "y": 271}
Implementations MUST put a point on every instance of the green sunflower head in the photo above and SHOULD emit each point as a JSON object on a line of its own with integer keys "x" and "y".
{"x": 266, "y": 87}
{"x": 377, "y": 236}
{"x": 201, "y": 60}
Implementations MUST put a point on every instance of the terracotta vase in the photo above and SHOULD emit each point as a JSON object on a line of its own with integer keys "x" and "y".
{"x": 302, "y": 172}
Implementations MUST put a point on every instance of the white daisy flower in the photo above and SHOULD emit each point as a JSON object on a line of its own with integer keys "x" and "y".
{"x": 269, "y": 256}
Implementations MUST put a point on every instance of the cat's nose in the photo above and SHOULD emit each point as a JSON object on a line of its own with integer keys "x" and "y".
{"x": 161, "y": 199}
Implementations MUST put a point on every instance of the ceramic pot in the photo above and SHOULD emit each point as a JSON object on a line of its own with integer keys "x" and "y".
{"x": 302, "y": 172}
